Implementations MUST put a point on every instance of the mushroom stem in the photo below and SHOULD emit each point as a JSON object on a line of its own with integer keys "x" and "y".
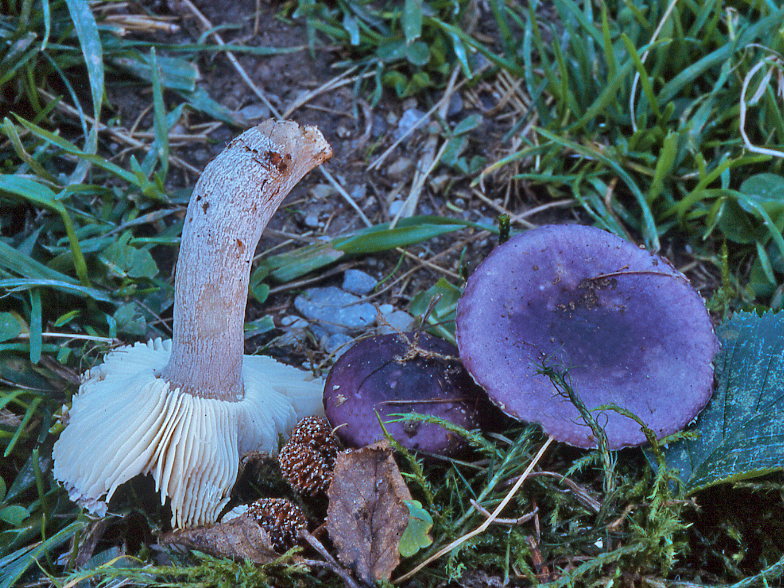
{"x": 231, "y": 204}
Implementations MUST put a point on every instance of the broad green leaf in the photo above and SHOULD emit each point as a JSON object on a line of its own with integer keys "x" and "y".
{"x": 125, "y": 260}
{"x": 412, "y": 19}
{"x": 469, "y": 123}
{"x": 741, "y": 431}
{"x": 130, "y": 321}
{"x": 13, "y": 515}
{"x": 766, "y": 190}
{"x": 418, "y": 53}
{"x": 9, "y": 326}
{"x": 416, "y": 535}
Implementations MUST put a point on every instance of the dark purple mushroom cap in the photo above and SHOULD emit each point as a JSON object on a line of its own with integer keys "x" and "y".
{"x": 628, "y": 327}
{"x": 373, "y": 377}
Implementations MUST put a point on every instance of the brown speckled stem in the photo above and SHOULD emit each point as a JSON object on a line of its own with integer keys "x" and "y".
{"x": 231, "y": 204}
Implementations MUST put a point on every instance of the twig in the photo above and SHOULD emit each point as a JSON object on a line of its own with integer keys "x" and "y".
{"x": 329, "y": 560}
{"x": 481, "y": 528}
{"x": 499, "y": 521}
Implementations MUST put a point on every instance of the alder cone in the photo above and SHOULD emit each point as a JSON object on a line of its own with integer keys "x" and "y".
{"x": 308, "y": 458}
{"x": 281, "y": 518}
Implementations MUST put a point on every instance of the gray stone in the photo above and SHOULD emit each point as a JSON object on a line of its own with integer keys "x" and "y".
{"x": 395, "y": 207}
{"x": 322, "y": 191}
{"x": 338, "y": 344}
{"x": 294, "y": 331}
{"x": 410, "y": 121}
{"x": 254, "y": 111}
{"x": 455, "y": 105}
{"x": 293, "y": 321}
{"x": 335, "y": 310}
{"x": 401, "y": 168}
{"x": 358, "y": 192}
{"x": 358, "y": 282}
{"x": 311, "y": 221}
{"x": 398, "y": 321}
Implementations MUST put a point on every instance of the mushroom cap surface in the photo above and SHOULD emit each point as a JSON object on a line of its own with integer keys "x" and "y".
{"x": 376, "y": 379}
{"x": 127, "y": 420}
{"x": 627, "y": 327}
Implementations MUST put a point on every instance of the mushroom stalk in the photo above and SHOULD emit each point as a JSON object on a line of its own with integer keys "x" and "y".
{"x": 231, "y": 204}
{"x": 185, "y": 410}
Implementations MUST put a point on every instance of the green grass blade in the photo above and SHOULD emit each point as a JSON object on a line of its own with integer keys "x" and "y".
{"x": 645, "y": 80}
{"x": 649, "y": 231}
{"x": 161, "y": 145}
{"x": 90, "y": 42}
{"x": 30, "y": 190}
{"x": 17, "y": 563}
{"x": 749, "y": 35}
{"x": 36, "y": 326}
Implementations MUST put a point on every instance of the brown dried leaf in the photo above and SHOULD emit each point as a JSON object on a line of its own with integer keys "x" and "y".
{"x": 367, "y": 513}
{"x": 239, "y": 538}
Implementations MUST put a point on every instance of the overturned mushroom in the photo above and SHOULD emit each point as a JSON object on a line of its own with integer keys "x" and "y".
{"x": 387, "y": 375}
{"x": 627, "y": 326}
{"x": 184, "y": 410}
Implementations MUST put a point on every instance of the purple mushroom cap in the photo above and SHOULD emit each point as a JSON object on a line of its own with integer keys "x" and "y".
{"x": 627, "y": 327}
{"x": 386, "y": 375}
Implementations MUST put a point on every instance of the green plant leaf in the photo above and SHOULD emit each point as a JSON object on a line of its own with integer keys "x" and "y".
{"x": 416, "y": 535}
{"x": 13, "y": 515}
{"x": 741, "y": 431}
{"x": 9, "y": 326}
{"x": 125, "y": 260}
{"x": 766, "y": 190}
{"x": 412, "y": 19}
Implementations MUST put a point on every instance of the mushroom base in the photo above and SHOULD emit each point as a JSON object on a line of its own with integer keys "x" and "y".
{"x": 127, "y": 420}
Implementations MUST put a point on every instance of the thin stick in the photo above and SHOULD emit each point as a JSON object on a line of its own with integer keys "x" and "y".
{"x": 329, "y": 560}
{"x": 499, "y": 521}
{"x": 481, "y": 528}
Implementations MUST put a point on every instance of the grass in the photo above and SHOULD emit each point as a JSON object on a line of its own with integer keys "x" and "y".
{"x": 660, "y": 120}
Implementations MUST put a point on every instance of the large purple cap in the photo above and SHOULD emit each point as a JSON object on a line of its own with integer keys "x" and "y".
{"x": 386, "y": 375}
{"x": 629, "y": 329}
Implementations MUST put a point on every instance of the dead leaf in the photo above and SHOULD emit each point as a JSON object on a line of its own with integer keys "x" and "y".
{"x": 239, "y": 538}
{"x": 367, "y": 513}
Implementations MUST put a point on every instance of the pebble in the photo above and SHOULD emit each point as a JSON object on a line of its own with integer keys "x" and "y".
{"x": 398, "y": 321}
{"x": 322, "y": 191}
{"x": 400, "y": 168}
{"x": 254, "y": 111}
{"x": 335, "y": 310}
{"x": 455, "y": 105}
{"x": 409, "y": 121}
{"x": 338, "y": 344}
{"x": 395, "y": 207}
{"x": 358, "y": 282}
{"x": 358, "y": 192}
{"x": 294, "y": 328}
{"x": 379, "y": 126}
{"x": 311, "y": 221}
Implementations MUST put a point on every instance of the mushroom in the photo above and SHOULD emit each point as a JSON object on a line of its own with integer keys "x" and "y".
{"x": 626, "y": 327}
{"x": 184, "y": 410}
{"x": 386, "y": 375}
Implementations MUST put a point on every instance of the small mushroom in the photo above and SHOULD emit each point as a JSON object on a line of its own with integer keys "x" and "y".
{"x": 626, "y": 326}
{"x": 184, "y": 410}
{"x": 403, "y": 373}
